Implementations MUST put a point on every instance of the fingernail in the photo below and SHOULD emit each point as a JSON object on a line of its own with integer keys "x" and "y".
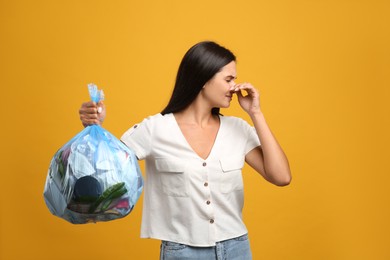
{"x": 99, "y": 110}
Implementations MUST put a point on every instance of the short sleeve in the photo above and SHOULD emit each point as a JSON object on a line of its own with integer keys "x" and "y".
{"x": 139, "y": 138}
{"x": 253, "y": 140}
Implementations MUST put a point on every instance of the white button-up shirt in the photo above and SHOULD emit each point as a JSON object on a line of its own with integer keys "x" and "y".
{"x": 188, "y": 199}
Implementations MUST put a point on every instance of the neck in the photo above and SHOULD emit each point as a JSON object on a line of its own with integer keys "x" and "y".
{"x": 195, "y": 114}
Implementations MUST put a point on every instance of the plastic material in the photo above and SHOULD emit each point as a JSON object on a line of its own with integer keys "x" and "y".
{"x": 93, "y": 177}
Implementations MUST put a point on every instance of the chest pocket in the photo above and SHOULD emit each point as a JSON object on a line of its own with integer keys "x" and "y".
{"x": 173, "y": 178}
{"x": 231, "y": 176}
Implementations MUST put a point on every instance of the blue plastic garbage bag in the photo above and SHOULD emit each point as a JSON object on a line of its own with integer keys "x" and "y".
{"x": 93, "y": 177}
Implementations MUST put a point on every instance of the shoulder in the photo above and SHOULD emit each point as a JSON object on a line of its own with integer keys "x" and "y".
{"x": 233, "y": 121}
{"x": 145, "y": 126}
{"x": 155, "y": 117}
{"x": 152, "y": 120}
{"x": 159, "y": 117}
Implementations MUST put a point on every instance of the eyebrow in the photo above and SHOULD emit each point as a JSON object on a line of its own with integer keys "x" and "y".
{"x": 231, "y": 76}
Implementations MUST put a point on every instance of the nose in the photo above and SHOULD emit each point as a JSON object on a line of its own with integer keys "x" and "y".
{"x": 232, "y": 84}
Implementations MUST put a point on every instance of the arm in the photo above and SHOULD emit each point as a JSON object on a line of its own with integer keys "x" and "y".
{"x": 268, "y": 159}
{"x": 92, "y": 113}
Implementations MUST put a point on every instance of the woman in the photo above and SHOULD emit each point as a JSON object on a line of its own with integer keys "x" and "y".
{"x": 193, "y": 191}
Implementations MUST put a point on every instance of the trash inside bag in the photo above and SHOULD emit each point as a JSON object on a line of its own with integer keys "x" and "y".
{"x": 94, "y": 177}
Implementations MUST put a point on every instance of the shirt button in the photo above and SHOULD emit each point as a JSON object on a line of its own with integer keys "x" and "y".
{"x": 206, "y": 184}
{"x": 204, "y": 164}
{"x": 208, "y": 202}
{"x": 211, "y": 221}
{"x": 135, "y": 126}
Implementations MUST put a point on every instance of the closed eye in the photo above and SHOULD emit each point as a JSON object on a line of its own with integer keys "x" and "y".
{"x": 230, "y": 78}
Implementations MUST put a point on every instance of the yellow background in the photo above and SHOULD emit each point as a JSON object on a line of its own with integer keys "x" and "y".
{"x": 323, "y": 71}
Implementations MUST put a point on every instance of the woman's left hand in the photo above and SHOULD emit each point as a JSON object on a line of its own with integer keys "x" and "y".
{"x": 250, "y": 102}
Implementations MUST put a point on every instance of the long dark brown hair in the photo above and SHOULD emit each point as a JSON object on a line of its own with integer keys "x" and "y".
{"x": 201, "y": 62}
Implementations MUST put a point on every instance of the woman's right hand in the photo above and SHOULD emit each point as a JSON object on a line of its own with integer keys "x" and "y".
{"x": 92, "y": 113}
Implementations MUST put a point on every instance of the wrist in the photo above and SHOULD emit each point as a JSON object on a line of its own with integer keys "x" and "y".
{"x": 255, "y": 112}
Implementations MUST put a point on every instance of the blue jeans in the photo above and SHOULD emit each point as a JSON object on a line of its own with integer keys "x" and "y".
{"x": 233, "y": 249}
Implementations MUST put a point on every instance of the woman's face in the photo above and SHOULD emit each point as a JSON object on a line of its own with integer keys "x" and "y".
{"x": 217, "y": 90}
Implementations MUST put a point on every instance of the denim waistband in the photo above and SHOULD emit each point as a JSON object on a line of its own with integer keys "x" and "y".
{"x": 234, "y": 248}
